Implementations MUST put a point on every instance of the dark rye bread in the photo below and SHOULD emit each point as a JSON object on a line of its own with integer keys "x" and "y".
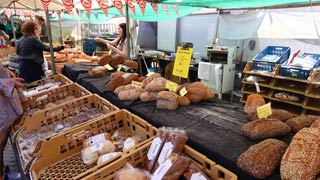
{"x": 279, "y": 114}
{"x": 299, "y": 122}
{"x": 263, "y": 129}
{"x": 301, "y": 159}
{"x": 261, "y": 159}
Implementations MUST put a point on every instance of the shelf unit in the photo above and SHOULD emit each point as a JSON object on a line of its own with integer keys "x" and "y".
{"x": 307, "y": 91}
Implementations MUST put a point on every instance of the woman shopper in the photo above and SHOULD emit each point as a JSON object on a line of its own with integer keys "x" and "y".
{"x": 10, "y": 107}
{"x": 30, "y": 50}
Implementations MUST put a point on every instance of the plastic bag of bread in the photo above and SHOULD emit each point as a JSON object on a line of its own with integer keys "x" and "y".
{"x": 115, "y": 82}
{"x": 172, "y": 168}
{"x": 261, "y": 159}
{"x": 158, "y": 84}
{"x": 253, "y": 101}
{"x": 129, "y": 172}
{"x": 106, "y": 157}
{"x": 167, "y": 100}
{"x": 123, "y": 88}
{"x": 146, "y": 81}
{"x": 174, "y": 144}
{"x": 148, "y": 96}
{"x": 262, "y": 129}
{"x": 96, "y": 139}
{"x": 119, "y": 136}
{"x": 132, "y": 94}
{"x": 316, "y": 123}
{"x": 183, "y": 101}
{"x": 279, "y": 114}
{"x": 97, "y": 71}
{"x": 131, "y": 142}
{"x": 299, "y": 122}
{"x": 105, "y": 59}
{"x": 104, "y": 147}
{"x": 155, "y": 148}
{"x": 302, "y": 157}
{"x": 194, "y": 172}
{"x": 89, "y": 156}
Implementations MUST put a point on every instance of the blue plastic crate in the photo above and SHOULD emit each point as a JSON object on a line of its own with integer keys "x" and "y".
{"x": 299, "y": 72}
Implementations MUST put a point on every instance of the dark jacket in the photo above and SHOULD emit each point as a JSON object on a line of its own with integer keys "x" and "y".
{"x": 30, "y": 47}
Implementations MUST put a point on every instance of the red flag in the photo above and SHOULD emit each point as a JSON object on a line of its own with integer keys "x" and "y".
{"x": 131, "y": 6}
{"x": 142, "y": 5}
{"x": 155, "y": 7}
{"x": 68, "y": 4}
{"x": 165, "y": 8}
{"x": 45, "y": 4}
{"x": 118, "y": 5}
{"x": 87, "y": 6}
{"x": 175, "y": 8}
{"x": 104, "y": 6}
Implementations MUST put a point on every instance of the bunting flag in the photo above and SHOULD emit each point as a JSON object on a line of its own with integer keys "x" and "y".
{"x": 45, "y": 4}
{"x": 87, "y": 6}
{"x": 118, "y": 5}
{"x": 21, "y": 14}
{"x": 175, "y": 8}
{"x": 68, "y": 4}
{"x": 131, "y": 6}
{"x": 165, "y": 8}
{"x": 8, "y": 13}
{"x": 142, "y": 4}
{"x": 33, "y": 15}
{"x": 103, "y": 6}
{"x": 155, "y": 7}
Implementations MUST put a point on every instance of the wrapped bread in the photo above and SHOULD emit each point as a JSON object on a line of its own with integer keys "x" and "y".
{"x": 253, "y": 101}
{"x": 158, "y": 84}
{"x": 98, "y": 71}
{"x": 279, "y": 114}
{"x": 130, "y": 173}
{"x": 131, "y": 142}
{"x": 96, "y": 139}
{"x": 147, "y": 80}
{"x": 297, "y": 123}
{"x": 89, "y": 156}
{"x": 261, "y": 159}
{"x": 132, "y": 94}
{"x": 183, "y": 101}
{"x": 194, "y": 172}
{"x": 172, "y": 168}
{"x": 115, "y": 82}
{"x": 316, "y": 123}
{"x": 106, "y": 157}
{"x": 167, "y": 100}
{"x": 301, "y": 159}
{"x": 123, "y": 88}
{"x": 262, "y": 129}
{"x": 105, "y": 59}
{"x": 148, "y": 96}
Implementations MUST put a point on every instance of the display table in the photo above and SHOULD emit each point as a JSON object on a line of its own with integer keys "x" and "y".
{"x": 213, "y": 127}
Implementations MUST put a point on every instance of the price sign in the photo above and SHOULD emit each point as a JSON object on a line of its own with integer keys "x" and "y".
{"x": 136, "y": 84}
{"x": 182, "y": 62}
{"x": 119, "y": 68}
{"x": 107, "y": 66}
{"x": 183, "y": 91}
{"x": 264, "y": 111}
{"x": 110, "y": 51}
{"x": 171, "y": 86}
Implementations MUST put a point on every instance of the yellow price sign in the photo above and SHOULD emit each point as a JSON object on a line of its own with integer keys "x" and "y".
{"x": 119, "y": 68}
{"x": 264, "y": 111}
{"x": 149, "y": 74}
{"x": 172, "y": 86}
{"x": 183, "y": 91}
{"x": 182, "y": 62}
{"x": 110, "y": 51}
{"x": 107, "y": 66}
{"x": 136, "y": 84}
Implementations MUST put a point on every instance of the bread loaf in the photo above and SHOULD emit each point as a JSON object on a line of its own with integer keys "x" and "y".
{"x": 123, "y": 88}
{"x": 196, "y": 94}
{"x": 115, "y": 82}
{"x": 209, "y": 94}
{"x": 165, "y": 104}
{"x": 301, "y": 159}
{"x": 279, "y": 114}
{"x": 116, "y": 60}
{"x": 129, "y": 173}
{"x": 148, "y": 96}
{"x": 97, "y": 71}
{"x": 118, "y": 73}
{"x": 262, "y": 129}
{"x": 130, "y": 77}
{"x": 261, "y": 159}
{"x": 297, "y": 123}
{"x": 132, "y": 94}
{"x": 158, "y": 84}
{"x": 253, "y": 101}
{"x": 149, "y": 79}
{"x": 192, "y": 171}
{"x": 185, "y": 85}
{"x": 316, "y": 123}
{"x": 131, "y": 64}
{"x": 167, "y": 95}
{"x": 105, "y": 59}
{"x": 183, "y": 101}
{"x": 89, "y": 156}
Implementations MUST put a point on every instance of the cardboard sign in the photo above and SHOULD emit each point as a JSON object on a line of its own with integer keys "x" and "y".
{"x": 264, "y": 111}
{"x": 183, "y": 91}
{"x": 136, "y": 84}
{"x": 107, "y": 66}
{"x": 182, "y": 62}
{"x": 172, "y": 86}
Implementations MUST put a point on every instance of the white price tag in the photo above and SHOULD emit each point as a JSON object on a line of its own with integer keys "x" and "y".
{"x": 165, "y": 152}
{"x": 154, "y": 148}
{"x": 161, "y": 170}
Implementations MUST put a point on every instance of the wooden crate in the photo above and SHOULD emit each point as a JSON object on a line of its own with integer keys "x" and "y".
{"x": 137, "y": 158}
{"x": 60, "y": 156}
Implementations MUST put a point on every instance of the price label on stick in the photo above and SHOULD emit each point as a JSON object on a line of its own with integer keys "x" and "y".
{"x": 183, "y": 91}
{"x": 119, "y": 68}
{"x": 107, "y": 66}
{"x": 264, "y": 111}
{"x": 171, "y": 86}
{"x": 110, "y": 51}
{"x": 182, "y": 62}
{"x": 136, "y": 84}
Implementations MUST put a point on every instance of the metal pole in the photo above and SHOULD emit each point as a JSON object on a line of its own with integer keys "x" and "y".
{"x": 61, "y": 35}
{"x": 12, "y": 23}
{"x": 50, "y": 42}
{"x": 128, "y": 32}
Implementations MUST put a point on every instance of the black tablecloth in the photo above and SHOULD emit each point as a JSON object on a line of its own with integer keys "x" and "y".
{"x": 213, "y": 127}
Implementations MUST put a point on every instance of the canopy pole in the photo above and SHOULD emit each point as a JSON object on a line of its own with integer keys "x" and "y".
{"x": 53, "y": 64}
{"x": 128, "y": 32}
{"x": 217, "y": 27}
{"x": 12, "y": 23}
{"x": 60, "y": 28}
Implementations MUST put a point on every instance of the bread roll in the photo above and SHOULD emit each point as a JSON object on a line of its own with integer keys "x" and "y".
{"x": 261, "y": 159}
{"x": 297, "y": 123}
{"x": 316, "y": 123}
{"x": 89, "y": 156}
{"x": 131, "y": 142}
{"x": 132, "y": 94}
{"x": 129, "y": 173}
{"x": 148, "y": 96}
{"x": 262, "y": 129}
{"x": 301, "y": 159}
{"x": 105, "y": 147}
{"x": 96, "y": 139}
{"x": 158, "y": 84}
{"x": 183, "y": 101}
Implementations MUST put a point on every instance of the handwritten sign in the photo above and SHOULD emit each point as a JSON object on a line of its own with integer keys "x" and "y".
{"x": 183, "y": 91}
{"x": 136, "y": 84}
{"x": 172, "y": 86}
{"x": 107, "y": 66}
{"x": 264, "y": 111}
{"x": 182, "y": 62}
